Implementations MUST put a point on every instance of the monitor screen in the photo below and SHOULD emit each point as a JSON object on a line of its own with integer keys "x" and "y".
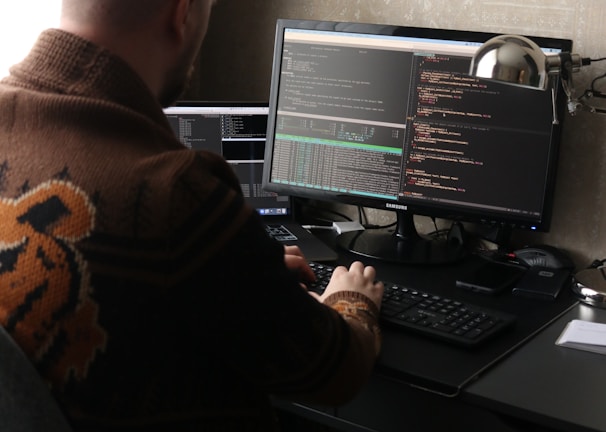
{"x": 388, "y": 117}
{"x": 235, "y": 130}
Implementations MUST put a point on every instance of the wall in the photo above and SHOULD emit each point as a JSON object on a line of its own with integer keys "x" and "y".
{"x": 236, "y": 65}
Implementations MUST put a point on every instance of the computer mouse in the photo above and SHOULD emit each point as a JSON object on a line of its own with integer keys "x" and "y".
{"x": 544, "y": 256}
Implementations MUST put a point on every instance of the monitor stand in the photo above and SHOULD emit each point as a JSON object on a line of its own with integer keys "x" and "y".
{"x": 405, "y": 245}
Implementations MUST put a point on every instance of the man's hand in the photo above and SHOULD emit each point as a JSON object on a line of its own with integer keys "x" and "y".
{"x": 297, "y": 263}
{"x": 359, "y": 278}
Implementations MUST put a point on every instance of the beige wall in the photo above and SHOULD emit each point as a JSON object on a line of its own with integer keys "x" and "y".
{"x": 237, "y": 66}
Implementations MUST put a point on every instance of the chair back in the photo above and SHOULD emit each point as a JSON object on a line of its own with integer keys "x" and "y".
{"x": 26, "y": 403}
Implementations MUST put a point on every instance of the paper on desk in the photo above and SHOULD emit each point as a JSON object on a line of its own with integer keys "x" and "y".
{"x": 584, "y": 335}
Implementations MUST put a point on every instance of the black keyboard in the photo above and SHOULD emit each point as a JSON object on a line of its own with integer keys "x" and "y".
{"x": 438, "y": 317}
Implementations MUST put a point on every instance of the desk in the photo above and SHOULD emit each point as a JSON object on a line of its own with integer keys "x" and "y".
{"x": 559, "y": 387}
{"x": 521, "y": 383}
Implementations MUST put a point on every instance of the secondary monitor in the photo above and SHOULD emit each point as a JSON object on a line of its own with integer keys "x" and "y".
{"x": 387, "y": 117}
{"x": 235, "y": 130}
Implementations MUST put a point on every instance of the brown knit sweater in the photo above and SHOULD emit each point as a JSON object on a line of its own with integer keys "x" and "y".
{"x": 133, "y": 274}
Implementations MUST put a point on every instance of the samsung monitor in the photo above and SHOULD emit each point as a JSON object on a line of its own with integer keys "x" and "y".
{"x": 388, "y": 117}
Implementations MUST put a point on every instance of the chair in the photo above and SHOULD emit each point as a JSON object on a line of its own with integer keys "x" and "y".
{"x": 26, "y": 403}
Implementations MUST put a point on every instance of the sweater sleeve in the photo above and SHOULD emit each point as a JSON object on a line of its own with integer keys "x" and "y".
{"x": 359, "y": 310}
{"x": 286, "y": 342}
{"x": 255, "y": 326}
{"x": 360, "y": 315}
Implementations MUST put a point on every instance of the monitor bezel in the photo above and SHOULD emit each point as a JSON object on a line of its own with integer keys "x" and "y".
{"x": 454, "y": 213}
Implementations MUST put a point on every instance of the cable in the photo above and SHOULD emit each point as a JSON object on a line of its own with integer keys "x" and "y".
{"x": 599, "y": 77}
{"x": 325, "y": 210}
{"x": 369, "y": 226}
{"x": 318, "y": 227}
{"x": 597, "y": 263}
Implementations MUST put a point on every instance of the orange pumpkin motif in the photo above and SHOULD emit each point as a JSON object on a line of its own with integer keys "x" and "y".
{"x": 45, "y": 300}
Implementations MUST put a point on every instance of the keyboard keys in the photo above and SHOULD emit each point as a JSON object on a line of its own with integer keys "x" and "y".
{"x": 431, "y": 315}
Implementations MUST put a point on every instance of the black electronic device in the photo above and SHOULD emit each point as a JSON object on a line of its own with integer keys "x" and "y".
{"x": 543, "y": 256}
{"x": 549, "y": 269}
{"x": 387, "y": 117}
{"x": 486, "y": 276}
{"x": 543, "y": 283}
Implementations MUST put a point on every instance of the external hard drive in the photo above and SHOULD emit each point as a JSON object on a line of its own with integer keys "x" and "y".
{"x": 542, "y": 283}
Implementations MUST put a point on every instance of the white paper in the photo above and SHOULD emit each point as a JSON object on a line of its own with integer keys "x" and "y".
{"x": 584, "y": 335}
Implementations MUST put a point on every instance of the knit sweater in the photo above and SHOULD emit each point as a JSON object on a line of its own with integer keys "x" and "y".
{"x": 134, "y": 276}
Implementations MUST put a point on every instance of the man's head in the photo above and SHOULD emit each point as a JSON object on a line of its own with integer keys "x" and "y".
{"x": 160, "y": 39}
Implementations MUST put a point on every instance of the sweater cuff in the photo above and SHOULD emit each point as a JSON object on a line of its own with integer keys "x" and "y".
{"x": 352, "y": 305}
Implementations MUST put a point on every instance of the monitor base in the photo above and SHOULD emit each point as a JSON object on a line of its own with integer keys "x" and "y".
{"x": 404, "y": 245}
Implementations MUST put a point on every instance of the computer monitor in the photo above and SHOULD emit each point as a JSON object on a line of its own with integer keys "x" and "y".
{"x": 387, "y": 117}
{"x": 235, "y": 130}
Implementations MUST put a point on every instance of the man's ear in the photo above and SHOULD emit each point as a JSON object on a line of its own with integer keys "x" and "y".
{"x": 180, "y": 10}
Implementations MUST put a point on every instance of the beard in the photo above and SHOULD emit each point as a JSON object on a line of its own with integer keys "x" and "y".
{"x": 178, "y": 77}
{"x": 176, "y": 84}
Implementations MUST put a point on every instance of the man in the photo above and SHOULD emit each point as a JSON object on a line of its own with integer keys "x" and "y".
{"x": 142, "y": 287}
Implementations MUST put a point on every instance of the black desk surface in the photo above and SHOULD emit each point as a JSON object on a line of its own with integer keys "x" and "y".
{"x": 440, "y": 367}
{"x": 559, "y": 387}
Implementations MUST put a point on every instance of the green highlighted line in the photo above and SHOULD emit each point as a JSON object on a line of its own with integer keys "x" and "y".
{"x": 335, "y": 143}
